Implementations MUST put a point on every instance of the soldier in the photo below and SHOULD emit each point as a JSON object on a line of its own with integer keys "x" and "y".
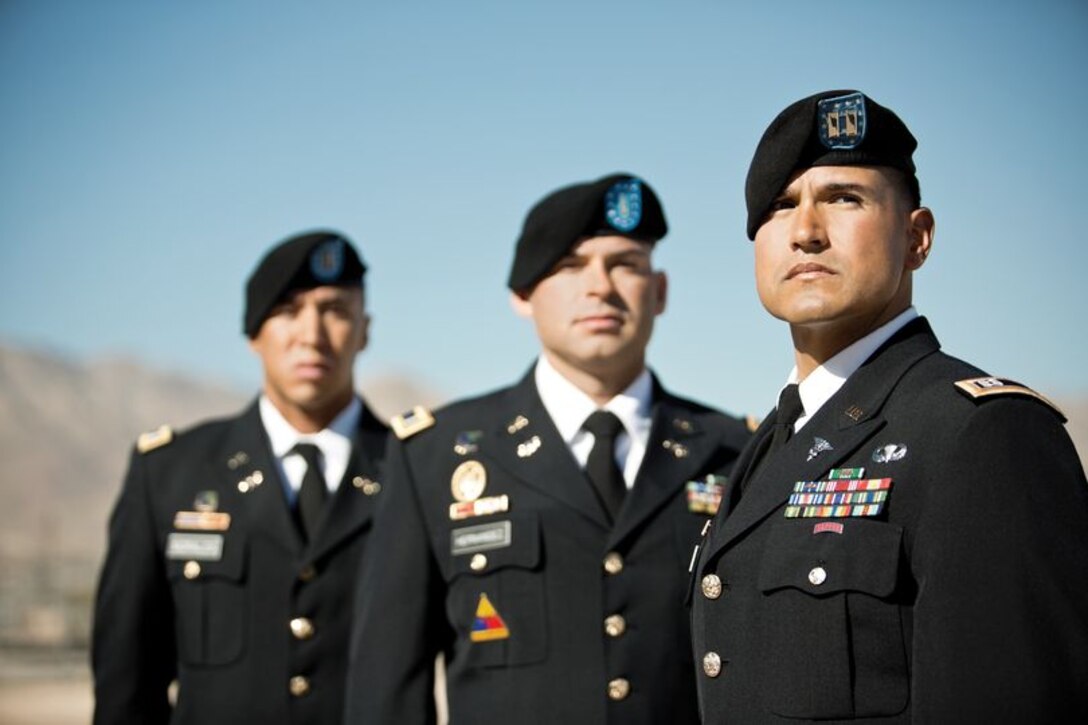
{"x": 905, "y": 538}
{"x": 233, "y": 546}
{"x": 538, "y": 536}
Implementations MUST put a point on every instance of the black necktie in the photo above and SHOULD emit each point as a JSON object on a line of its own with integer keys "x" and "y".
{"x": 788, "y": 411}
{"x": 312, "y": 493}
{"x": 601, "y": 466}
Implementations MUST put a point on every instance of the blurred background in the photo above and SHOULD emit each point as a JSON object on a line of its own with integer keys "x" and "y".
{"x": 151, "y": 152}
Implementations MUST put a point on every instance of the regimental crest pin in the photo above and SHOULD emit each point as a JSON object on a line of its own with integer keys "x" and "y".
{"x": 327, "y": 260}
{"x": 623, "y": 205}
{"x": 889, "y": 453}
{"x": 842, "y": 121}
{"x": 529, "y": 447}
{"x": 488, "y": 624}
{"x": 468, "y": 481}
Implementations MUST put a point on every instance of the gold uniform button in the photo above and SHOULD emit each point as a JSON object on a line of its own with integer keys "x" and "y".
{"x": 307, "y": 573}
{"x": 191, "y": 570}
{"x": 618, "y": 689}
{"x": 302, "y": 628}
{"x": 613, "y": 563}
{"x": 478, "y": 562}
{"x": 615, "y": 625}
{"x": 817, "y": 576}
{"x": 712, "y": 586}
{"x": 712, "y": 664}
{"x": 299, "y": 686}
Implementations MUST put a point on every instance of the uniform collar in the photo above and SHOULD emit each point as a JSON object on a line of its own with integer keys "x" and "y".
{"x": 825, "y": 380}
{"x": 569, "y": 407}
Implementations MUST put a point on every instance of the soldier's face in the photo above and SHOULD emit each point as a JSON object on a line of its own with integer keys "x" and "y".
{"x": 594, "y": 313}
{"x": 837, "y": 249}
{"x": 308, "y": 345}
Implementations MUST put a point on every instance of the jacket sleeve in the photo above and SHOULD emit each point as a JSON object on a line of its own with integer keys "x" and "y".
{"x": 132, "y": 647}
{"x": 399, "y": 626}
{"x": 1001, "y": 623}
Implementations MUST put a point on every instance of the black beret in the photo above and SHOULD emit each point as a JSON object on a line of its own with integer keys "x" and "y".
{"x": 620, "y": 204}
{"x": 833, "y": 128}
{"x": 303, "y": 261}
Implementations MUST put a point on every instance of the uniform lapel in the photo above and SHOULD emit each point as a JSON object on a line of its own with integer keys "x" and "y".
{"x": 249, "y": 469}
{"x": 353, "y": 504}
{"x": 850, "y": 417}
{"x": 677, "y": 449}
{"x": 534, "y": 453}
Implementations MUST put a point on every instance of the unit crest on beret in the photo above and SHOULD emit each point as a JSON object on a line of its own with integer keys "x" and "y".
{"x": 979, "y": 388}
{"x": 408, "y": 424}
{"x": 157, "y": 438}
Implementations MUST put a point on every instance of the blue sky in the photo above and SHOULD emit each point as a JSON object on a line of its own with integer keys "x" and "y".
{"x": 152, "y": 151}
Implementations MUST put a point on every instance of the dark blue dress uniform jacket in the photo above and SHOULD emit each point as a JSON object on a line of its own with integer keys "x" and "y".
{"x": 965, "y": 600}
{"x": 222, "y": 628}
{"x": 549, "y": 584}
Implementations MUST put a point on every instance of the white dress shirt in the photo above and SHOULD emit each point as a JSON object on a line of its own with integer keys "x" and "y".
{"x": 333, "y": 441}
{"x": 825, "y": 380}
{"x": 569, "y": 407}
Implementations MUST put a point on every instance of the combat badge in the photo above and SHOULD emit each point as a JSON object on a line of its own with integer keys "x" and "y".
{"x": 468, "y": 481}
{"x": 487, "y": 625}
{"x": 705, "y": 497}
{"x": 979, "y": 388}
{"x": 412, "y": 422}
{"x": 157, "y": 438}
{"x": 890, "y": 453}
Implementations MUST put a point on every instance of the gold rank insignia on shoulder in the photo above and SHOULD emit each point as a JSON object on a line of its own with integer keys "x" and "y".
{"x": 752, "y": 423}
{"x": 154, "y": 439}
{"x": 986, "y": 386}
{"x": 412, "y": 422}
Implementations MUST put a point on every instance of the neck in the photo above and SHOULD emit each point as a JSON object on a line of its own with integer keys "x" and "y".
{"x": 814, "y": 344}
{"x": 600, "y": 385}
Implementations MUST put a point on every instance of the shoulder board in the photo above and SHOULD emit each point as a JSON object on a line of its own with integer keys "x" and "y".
{"x": 408, "y": 424}
{"x": 752, "y": 422}
{"x": 987, "y": 386}
{"x": 154, "y": 439}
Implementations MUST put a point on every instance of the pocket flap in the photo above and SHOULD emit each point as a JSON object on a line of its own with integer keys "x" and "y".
{"x": 827, "y": 556}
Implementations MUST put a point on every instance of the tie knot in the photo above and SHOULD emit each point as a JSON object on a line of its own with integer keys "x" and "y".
{"x": 603, "y": 424}
{"x": 789, "y": 405}
{"x": 309, "y": 453}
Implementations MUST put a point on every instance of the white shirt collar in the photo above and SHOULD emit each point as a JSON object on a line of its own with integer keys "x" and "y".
{"x": 569, "y": 407}
{"x": 334, "y": 442}
{"x": 825, "y": 380}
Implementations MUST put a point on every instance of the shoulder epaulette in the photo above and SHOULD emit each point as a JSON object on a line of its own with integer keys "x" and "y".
{"x": 752, "y": 422}
{"x": 154, "y": 439}
{"x": 408, "y": 424}
{"x": 987, "y": 386}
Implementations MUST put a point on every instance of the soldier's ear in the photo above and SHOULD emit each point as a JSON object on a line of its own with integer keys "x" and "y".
{"x": 922, "y": 228}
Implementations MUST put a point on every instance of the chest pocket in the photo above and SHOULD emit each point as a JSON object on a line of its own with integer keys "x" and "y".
{"x": 831, "y": 633}
{"x": 496, "y": 598}
{"x": 210, "y": 604}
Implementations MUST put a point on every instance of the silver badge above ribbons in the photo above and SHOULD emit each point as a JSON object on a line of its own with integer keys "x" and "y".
{"x": 623, "y": 205}
{"x": 841, "y": 121}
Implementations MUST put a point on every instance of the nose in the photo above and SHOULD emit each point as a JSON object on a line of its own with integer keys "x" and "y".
{"x": 309, "y": 326}
{"x": 807, "y": 227}
{"x": 599, "y": 279}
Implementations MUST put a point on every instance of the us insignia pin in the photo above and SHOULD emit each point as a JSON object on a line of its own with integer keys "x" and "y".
{"x": 529, "y": 447}
{"x": 517, "y": 424}
{"x": 488, "y": 624}
{"x": 889, "y": 453}
{"x": 468, "y": 481}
